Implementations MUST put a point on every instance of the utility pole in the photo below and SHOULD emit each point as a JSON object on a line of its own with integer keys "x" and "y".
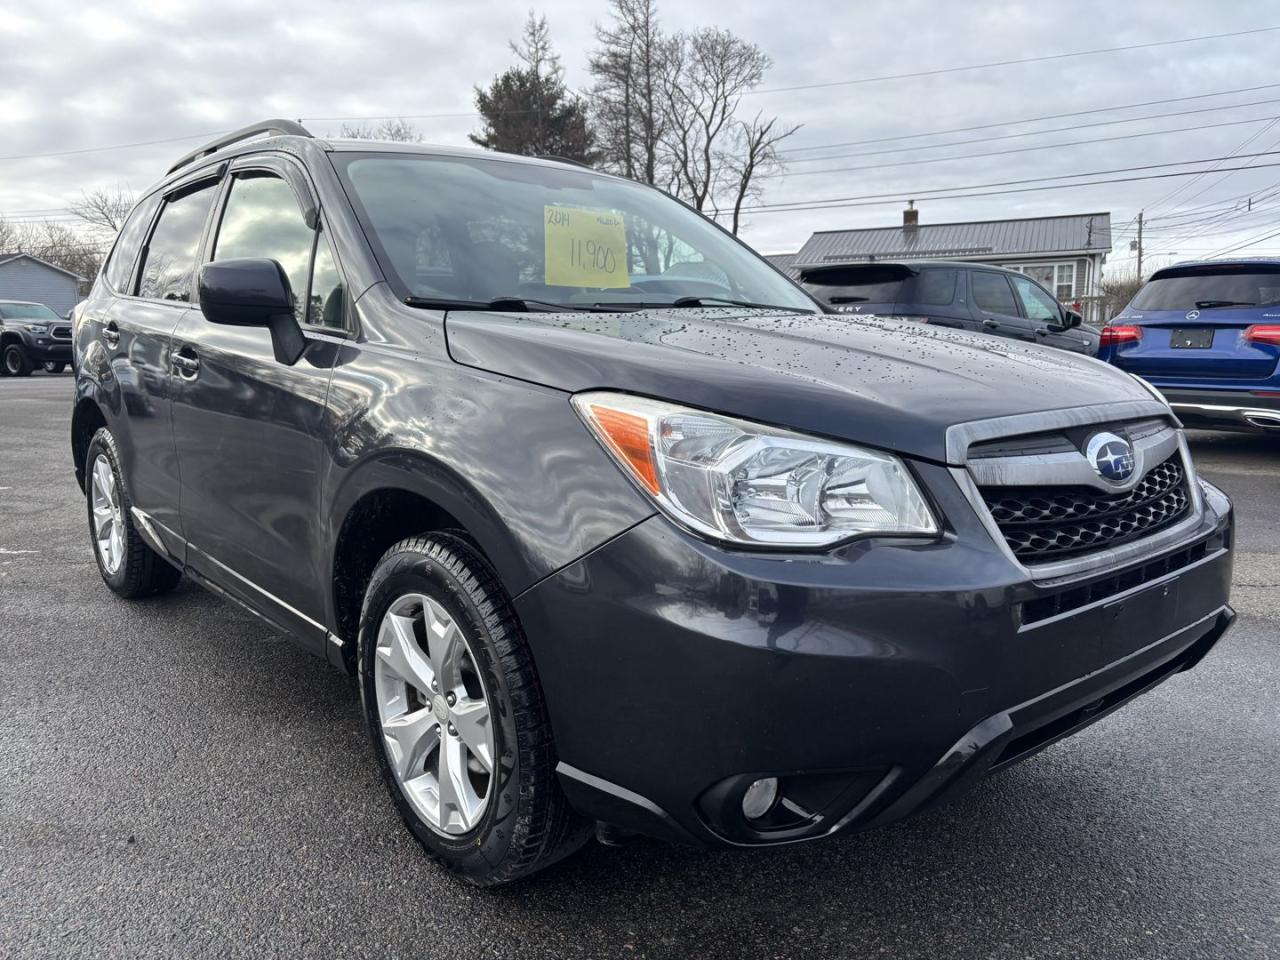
{"x": 1140, "y": 212}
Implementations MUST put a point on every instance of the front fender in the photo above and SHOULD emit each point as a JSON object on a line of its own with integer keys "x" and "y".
{"x": 510, "y": 461}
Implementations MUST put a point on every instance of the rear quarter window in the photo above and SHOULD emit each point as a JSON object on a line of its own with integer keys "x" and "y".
{"x": 119, "y": 268}
{"x": 934, "y": 288}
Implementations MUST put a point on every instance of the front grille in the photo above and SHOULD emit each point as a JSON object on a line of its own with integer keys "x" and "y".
{"x": 1050, "y": 523}
{"x": 61, "y": 333}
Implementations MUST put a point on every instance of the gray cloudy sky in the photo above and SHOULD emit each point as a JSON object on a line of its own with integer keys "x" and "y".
{"x": 77, "y": 76}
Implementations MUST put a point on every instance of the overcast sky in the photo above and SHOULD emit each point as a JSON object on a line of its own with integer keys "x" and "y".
{"x": 76, "y": 76}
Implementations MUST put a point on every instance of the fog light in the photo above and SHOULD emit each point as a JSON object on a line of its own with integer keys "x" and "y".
{"x": 760, "y": 798}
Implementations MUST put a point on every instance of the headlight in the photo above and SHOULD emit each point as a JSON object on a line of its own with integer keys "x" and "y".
{"x": 746, "y": 483}
{"x": 39, "y": 329}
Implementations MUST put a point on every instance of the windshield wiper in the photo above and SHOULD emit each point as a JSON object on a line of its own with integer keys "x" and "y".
{"x": 847, "y": 299}
{"x": 1212, "y": 304}
{"x": 500, "y": 304}
{"x": 710, "y": 301}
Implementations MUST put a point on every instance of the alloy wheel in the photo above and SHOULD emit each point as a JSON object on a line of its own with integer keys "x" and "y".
{"x": 108, "y": 515}
{"x": 435, "y": 715}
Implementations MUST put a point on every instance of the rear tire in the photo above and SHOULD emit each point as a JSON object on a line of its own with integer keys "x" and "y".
{"x": 16, "y": 363}
{"x": 433, "y": 602}
{"x": 128, "y": 566}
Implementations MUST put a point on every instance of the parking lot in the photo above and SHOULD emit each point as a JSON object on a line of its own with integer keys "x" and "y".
{"x": 177, "y": 780}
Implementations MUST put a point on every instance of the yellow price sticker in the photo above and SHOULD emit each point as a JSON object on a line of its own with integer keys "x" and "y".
{"x": 585, "y": 247}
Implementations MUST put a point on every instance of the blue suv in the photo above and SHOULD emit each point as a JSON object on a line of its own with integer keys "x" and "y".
{"x": 1207, "y": 336}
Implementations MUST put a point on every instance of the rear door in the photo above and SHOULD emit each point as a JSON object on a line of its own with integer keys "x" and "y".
{"x": 136, "y": 338}
{"x": 1193, "y": 320}
{"x": 995, "y": 307}
{"x": 935, "y": 295}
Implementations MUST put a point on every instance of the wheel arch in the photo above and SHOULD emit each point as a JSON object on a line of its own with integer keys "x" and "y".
{"x": 399, "y": 494}
{"x": 86, "y": 419}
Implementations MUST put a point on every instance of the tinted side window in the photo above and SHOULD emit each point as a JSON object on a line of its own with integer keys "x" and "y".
{"x": 171, "y": 255}
{"x": 1037, "y": 304}
{"x": 327, "y": 302}
{"x": 262, "y": 219}
{"x": 935, "y": 288}
{"x": 991, "y": 293}
{"x": 119, "y": 268}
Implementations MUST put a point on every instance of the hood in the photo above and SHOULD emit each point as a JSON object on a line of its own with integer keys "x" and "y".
{"x": 896, "y": 385}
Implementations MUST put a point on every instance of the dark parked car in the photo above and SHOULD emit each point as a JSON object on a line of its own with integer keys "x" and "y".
{"x": 1207, "y": 335}
{"x": 964, "y": 296}
{"x": 611, "y": 540}
{"x": 32, "y": 335}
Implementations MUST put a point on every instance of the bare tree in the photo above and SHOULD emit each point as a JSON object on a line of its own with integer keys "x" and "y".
{"x": 755, "y": 155}
{"x": 710, "y": 71}
{"x": 629, "y": 68}
{"x": 535, "y": 51}
{"x": 666, "y": 109}
{"x": 394, "y": 129}
{"x": 56, "y": 243}
{"x": 1117, "y": 291}
{"x": 104, "y": 210}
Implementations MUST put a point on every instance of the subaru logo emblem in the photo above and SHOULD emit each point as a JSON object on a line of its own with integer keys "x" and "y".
{"x": 1111, "y": 456}
{"x": 1193, "y": 314}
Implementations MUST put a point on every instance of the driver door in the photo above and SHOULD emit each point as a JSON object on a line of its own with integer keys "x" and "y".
{"x": 248, "y": 428}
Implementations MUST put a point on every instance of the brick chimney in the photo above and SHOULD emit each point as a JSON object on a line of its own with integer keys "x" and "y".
{"x": 910, "y": 218}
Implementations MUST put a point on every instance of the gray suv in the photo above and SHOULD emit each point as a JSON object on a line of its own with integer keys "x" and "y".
{"x": 617, "y": 529}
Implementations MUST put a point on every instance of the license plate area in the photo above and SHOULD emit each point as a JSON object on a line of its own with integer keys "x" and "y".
{"x": 1191, "y": 338}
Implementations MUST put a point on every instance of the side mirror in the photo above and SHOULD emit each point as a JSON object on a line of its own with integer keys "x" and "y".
{"x": 253, "y": 293}
{"x": 1071, "y": 319}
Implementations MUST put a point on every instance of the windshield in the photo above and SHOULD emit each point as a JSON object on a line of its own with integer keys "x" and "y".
{"x": 1211, "y": 287}
{"x": 26, "y": 311}
{"x": 476, "y": 230}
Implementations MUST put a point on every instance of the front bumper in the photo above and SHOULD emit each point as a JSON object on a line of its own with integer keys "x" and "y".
{"x": 47, "y": 349}
{"x": 1234, "y": 409}
{"x": 874, "y": 681}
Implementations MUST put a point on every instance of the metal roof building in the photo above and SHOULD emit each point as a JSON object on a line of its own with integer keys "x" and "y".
{"x": 784, "y": 262}
{"x": 1080, "y": 234}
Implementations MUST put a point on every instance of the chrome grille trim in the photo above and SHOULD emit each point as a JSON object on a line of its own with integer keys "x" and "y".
{"x": 1171, "y": 439}
{"x": 1072, "y": 469}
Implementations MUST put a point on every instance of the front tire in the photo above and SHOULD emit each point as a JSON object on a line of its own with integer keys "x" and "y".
{"x": 128, "y": 566}
{"x": 54, "y": 366}
{"x": 457, "y": 717}
{"x": 15, "y": 361}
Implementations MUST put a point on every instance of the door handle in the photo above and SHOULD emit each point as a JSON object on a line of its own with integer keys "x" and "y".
{"x": 111, "y": 333}
{"x": 990, "y": 324}
{"x": 186, "y": 363}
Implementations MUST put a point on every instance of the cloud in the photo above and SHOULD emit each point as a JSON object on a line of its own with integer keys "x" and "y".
{"x": 74, "y": 77}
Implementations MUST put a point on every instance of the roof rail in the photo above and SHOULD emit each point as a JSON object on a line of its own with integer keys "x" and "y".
{"x": 555, "y": 159}
{"x": 274, "y": 128}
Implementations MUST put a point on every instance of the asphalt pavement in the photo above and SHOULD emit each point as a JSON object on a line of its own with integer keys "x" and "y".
{"x": 178, "y": 780}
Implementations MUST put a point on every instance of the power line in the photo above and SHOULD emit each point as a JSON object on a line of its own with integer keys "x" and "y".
{"x": 1062, "y": 176}
{"x": 1010, "y": 63}
{"x": 1002, "y": 153}
{"x": 895, "y": 198}
{"x": 1047, "y": 116}
{"x": 1036, "y": 133}
{"x": 117, "y": 146}
{"x": 1247, "y": 243}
